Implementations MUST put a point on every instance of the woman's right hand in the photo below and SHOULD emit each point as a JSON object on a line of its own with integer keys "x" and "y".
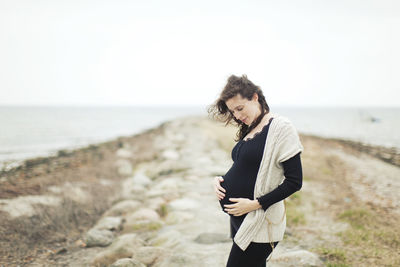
{"x": 219, "y": 190}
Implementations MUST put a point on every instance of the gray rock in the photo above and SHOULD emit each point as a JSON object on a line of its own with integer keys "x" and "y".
{"x": 184, "y": 204}
{"x": 175, "y": 217}
{"x": 143, "y": 214}
{"x": 178, "y": 260}
{"x": 98, "y": 238}
{"x": 167, "y": 239}
{"x": 148, "y": 255}
{"x": 124, "y": 153}
{"x": 127, "y": 262}
{"x": 122, "y": 247}
{"x": 170, "y": 183}
{"x": 124, "y": 167}
{"x": 141, "y": 179}
{"x": 211, "y": 238}
{"x": 109, "y": 223}
{"x": 131, "y": 190}
{"x": 143, "y": 220}
{"x": 170, "y": 154}
{"x": 157, "y": 168}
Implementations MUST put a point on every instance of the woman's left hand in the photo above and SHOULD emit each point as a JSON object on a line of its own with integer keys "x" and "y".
{"x": 242, "y": 206}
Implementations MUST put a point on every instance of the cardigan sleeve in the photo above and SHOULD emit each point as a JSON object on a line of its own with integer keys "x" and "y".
{"x": 293, "y": 182}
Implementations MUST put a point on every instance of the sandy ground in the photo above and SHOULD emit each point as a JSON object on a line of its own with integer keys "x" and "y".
{"x": 49, "y": 203}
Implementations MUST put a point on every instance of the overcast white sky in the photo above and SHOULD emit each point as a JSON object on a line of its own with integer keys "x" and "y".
{"x": 319, "y": 53}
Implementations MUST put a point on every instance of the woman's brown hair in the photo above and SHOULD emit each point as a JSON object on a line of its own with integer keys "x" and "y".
{"x": 243, "y": 86}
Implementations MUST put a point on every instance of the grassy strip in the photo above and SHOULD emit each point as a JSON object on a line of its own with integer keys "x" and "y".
{"x": 293, "y": 215}
{"x": 372, "y": 237}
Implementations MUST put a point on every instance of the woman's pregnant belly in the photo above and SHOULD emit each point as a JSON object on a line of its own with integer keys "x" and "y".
{"x": 237, "y": 184}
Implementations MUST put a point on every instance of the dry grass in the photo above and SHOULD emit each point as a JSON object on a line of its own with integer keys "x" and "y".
{"x": 50, "y": 229}
{"x": 25, "y": 239}
{"x": 373, "y": 235}
{"x": 293, "y": 215}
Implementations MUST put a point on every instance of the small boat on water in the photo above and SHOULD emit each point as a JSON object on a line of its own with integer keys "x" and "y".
{"x": 374, "y": 119}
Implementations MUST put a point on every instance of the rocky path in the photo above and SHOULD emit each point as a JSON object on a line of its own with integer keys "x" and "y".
{"x": 167, "y": 213}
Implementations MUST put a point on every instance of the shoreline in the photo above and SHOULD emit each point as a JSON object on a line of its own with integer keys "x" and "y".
{"x": 388, "y": 154}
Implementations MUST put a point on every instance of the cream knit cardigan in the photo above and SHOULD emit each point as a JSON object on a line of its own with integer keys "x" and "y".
{"x": 261, "y": 226}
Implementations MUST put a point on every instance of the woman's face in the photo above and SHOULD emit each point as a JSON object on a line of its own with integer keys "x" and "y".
{"x": 243, "y": 109}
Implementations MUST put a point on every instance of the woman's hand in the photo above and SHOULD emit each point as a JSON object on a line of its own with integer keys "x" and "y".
{"x": 219, "y": 190}
{"x": 242, "y": 206}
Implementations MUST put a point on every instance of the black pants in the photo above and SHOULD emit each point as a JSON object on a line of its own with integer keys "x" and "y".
{"x": 255, "y": 255}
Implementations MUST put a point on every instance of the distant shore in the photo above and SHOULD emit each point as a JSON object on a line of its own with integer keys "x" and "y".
{"x": 387, "y": 154}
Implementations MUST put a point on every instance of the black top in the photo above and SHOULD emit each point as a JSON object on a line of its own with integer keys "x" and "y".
{"x": 240, "y": 179}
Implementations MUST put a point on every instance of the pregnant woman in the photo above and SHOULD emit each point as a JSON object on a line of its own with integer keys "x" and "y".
{"x": 266, "y": 169}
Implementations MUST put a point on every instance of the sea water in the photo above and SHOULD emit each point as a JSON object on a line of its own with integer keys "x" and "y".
{"x": 28, "y": 132}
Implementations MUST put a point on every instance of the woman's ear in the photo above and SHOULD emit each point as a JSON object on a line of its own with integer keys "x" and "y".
{"x": 255, "y": 97}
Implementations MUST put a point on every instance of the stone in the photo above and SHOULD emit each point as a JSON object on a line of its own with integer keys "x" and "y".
{"x": 148, "y": 255}
{"x": 109, "y": 223}
{"x": 175, "y": 217}
{"x": 143, "y": 214}
{"x": 131, "y": 190}
{"x": 183, "y": 204}
{"x": 124, "y": 167}
{"x": 122, "y": 247}
{"x": 167, "y": 239}
{"x": 168, "y": 184}
{"x": 127, "y": 262}
{"x": 98, "y": 238}
{"x": 170, "y": 154}
{"x": 178, "y": 260}
{"x": 124, "y": 153}
{"x": 143, "y": 220}
{"x": 141, "y": 179}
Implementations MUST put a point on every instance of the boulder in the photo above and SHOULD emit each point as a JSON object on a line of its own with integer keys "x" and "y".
{"x": 166, "y": 239}
{"x": 127, "y": 262}
{"x": 175, "y": 217}
{"x": 178, "y": 260}
{"x": 148, "y": 255}
{"x": 124, "y": 167}
{"x": 130, "y": 190}
{"x": 184, "y": 204}
{"x": 124, "y": 153}
{"x": 143, "y": 214}
{"x": 122, "y": 247}
{"x": 109, "y": 223}
{"x": 170, "y": 154}
{"x": 141, "y": 179}
{"x": 98, "y": 238}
